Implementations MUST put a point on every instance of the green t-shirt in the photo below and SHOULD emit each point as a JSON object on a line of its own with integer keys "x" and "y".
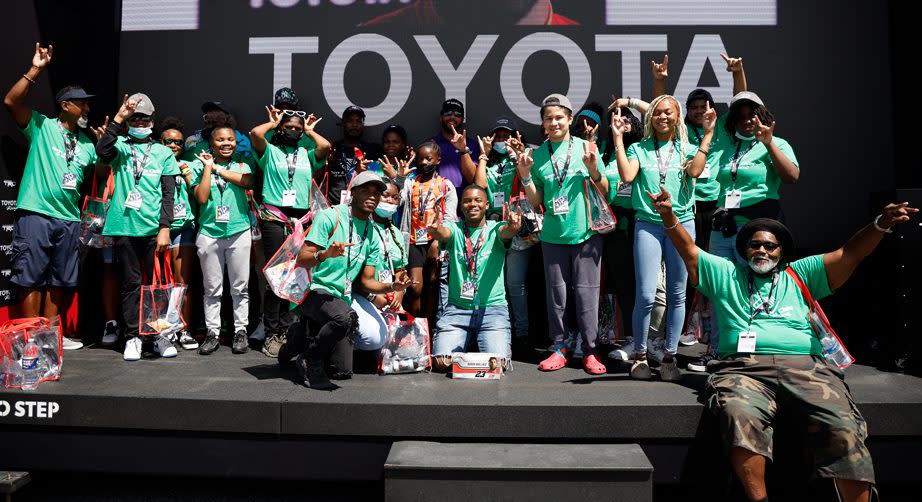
{"x": 41, "y": 189}
{"x": 183, "y": 210}
{"x": 392, "y": 244}
{"x": 785, "y": 330}
{"x": 491, "y": 259}
{"x": 274, "y": 166}
{"x": 152, "y": 163}
{"x": 499, "y": 184}
{"x": 706, "y": 186}
{"x": 619, "y": 194}
{"x": 223, "y": 195}
{"x": 332, "y": 225}
{"x": 756, "y": 177}
{"x": 571, "y": 227}
{"x": 306, "y": 142}
{"x": 648, "y": 179}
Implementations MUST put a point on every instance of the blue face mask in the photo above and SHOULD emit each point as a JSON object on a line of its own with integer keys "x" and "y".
{"x": 140, "y": 132}
{"x": 385, "y": 210}
{"x": 499, "y": 147}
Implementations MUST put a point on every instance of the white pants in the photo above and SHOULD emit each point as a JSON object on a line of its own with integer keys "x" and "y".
{"x": 214, "y": 254}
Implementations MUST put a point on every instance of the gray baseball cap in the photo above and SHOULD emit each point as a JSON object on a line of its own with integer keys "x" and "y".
{"x": 557, "y": 100}
{"x": 146, "y": 106}
{"x": 746, "y": 96}
{"x": 366, "y": 177}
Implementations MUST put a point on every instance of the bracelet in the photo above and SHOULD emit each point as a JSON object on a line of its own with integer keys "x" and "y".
{"x": 464, "y": 152}
{"x": 526, "y": 181}
{"x": 484, "y": 157}
{"x": 371, "y": 297}
{"x": 317, "y": 257}
{"x": 27, "y": 78}
{"x": 880, "y": 228}
{"x": 673, "y": 227}
{"x": 705, "y": 152}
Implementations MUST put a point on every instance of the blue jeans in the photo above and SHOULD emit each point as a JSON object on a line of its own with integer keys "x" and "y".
{"x": 371, "y": 333}
{"x": 650, "y": 246}
{"x": 459, "y": 328}
{"x": 443, "y": 285}
{"x": 516, "y": 273}
{"x": 725, "y": 247}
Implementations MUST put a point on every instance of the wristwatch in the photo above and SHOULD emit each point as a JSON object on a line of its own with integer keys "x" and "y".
{"x": 466, "y": 151}
{"x": 317, "y": 257}
{"x": 880, "y": 228}
{"x": 371, "y": 297}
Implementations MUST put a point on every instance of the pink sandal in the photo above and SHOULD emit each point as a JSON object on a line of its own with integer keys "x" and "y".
{"x": 593, "y": 366}
{"x": 553, "y": 363}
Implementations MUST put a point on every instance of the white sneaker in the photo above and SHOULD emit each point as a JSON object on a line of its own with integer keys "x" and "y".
{"x": 72, "y": 344}
{"x": 110, "y": 335}
{"x": 132, "y": 349}
{"x": 187, "y": 342}
{"x": 619, "y": 355}
{"x": 164, "y": 347}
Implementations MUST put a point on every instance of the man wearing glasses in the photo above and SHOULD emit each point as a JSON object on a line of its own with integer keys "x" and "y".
{"x": 458, "y": 151}
{"x": 770, "y": 358}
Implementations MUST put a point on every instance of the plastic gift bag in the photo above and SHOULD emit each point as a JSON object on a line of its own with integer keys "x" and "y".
{"x": 15, "y": 336}
{"x": 256, "y": 233}
{"x": 160, "y": 308}
{"x": 601, "y": 217}
{"x": 609, "y": 327}
{"x": 93, "y": 217}
{"x": 407, "y": 347}
{"x": 532, "y": 223}
{"x": 285, "y": 277}
{"x": 319, "y": 200}
{"x": 833, "y": 348}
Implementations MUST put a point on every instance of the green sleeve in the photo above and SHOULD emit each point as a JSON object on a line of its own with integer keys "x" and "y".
{"x": 169, "y": 166}
{"x": 374, "y": 255}
{"x": 456, "y": 234}
{"x": 786, "y": 149}
{"x": 315, "y": 163}
{"x": 631, "y": 152}
{"x": 714, "y": 273}
{"x": 812, "y": 271}
{"x": 197, "y": 169}
{"x": 246, "y": 165}
{"x": 36, "y": 121}
{"x": 322, "y": 228}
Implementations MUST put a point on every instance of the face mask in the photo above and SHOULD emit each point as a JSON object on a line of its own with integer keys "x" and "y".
{"x": 140, "y": 132}
{"x": 762, "y": 266}
{"x": 385, "y": 209}
{"x": 499, "y": 147}
{"x": 291, "y": 136}
{"x": 82, "y": 122}
{"x": 426, "y": 168}
{"x": 744, "y": 138}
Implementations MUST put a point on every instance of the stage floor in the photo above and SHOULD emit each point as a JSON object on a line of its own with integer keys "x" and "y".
{"x": 250, "y": 393}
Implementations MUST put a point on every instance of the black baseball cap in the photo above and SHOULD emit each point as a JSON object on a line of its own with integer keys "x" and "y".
{"x": 397, "y": 128}
{"x": 353, "y": 110}
{"x": 453, "y": 105}
{"x": 214, "y": 105}
{"x": 72, "y": 92}
{"x": 286, "y": 95}
{"x": 700, "y": 94}
{"x": 505, "y": 123}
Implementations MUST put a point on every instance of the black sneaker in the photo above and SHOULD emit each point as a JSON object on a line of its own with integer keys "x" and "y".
{"x": 312, "y": 374}
{"x": 641, "y": 370}
{"x": 293, "y": 346}
{"x": 209, "y": 345}
{"x": 700, "y": 365}
{"x": 240, "y": 344}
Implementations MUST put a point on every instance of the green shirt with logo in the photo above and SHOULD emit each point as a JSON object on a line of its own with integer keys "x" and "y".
{"x": 572, "y": 226}
{"x": 277, "y": 179}
{"x": 137, "y": 168}
{"x": 333, "y": 274}
{"x": 50, "y": 185}
{"x": 489, "y": 264}
{"x": 183, "y": 208}
{"x": 225, "y": 198}
{"x": 500, "y": 176}
{"x": 393, "y": 246}
{"x": 680, "y": 186}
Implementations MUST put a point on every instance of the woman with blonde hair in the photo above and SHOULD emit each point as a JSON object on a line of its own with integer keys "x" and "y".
{"x": 662, "y": 159}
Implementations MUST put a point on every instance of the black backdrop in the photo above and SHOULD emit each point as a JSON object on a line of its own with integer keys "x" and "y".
{"x": 827, "y": 70}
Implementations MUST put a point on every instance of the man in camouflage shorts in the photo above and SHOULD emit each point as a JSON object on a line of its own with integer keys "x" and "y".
{"x": 770, "y": 358}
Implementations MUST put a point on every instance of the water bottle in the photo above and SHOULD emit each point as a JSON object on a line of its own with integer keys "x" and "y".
{"x": 31, "y": 369}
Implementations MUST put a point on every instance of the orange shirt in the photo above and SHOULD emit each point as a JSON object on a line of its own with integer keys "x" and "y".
{"x": 427, "y": 204}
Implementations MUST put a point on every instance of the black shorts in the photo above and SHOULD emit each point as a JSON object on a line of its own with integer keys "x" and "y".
{"x": 46, "y": 251}
{"x": 417, "y": 256}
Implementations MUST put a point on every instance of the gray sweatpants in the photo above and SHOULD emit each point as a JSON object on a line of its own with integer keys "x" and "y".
{"x": 577, "y": 265}
{"x": 214, "y": 254}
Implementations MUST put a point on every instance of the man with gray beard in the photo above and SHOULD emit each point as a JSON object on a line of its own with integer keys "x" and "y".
{"x": 770, "y": 358}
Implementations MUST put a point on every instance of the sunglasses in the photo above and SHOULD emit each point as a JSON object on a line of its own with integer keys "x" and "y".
{"x": 298, "y": 113}
{"x": 455, "y": 114}
{"x": 168, "y": 141}
{"x": 769, "y": 246}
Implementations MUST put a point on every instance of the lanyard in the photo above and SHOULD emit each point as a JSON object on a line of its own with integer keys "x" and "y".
{"x": 387, "y": 238}
{"x": 349, "y": 239}
{"x": 179, "y": 181}
{"x": 472, "y": 249}
{"x": 500, "y": 168}
{"x": 735, "y": 163}
{"x": 663, "y": 164}
{"x": 766, "y": 303}
{"x": 220, "y": 182}
{"x": 424, "y": 201}
{"x": 70, "y": 144}
{"x": 697, "y": 134}
{"x": 560, "y": 175}
{"x": 292, "y": 161}
{"x": 138, "y": 168}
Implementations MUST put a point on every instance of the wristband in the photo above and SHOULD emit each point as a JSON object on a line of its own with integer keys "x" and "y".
{"x": 27, "y": 78}
{"x": 880, "y": 228}
{"x": 705, "y": 152}
{"x": 526, "y": 181}
{"x": 673, "y": 227}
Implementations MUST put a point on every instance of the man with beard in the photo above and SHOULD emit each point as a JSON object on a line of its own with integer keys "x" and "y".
{"x": 458, "y": 151}
{"x": 46, "y": 225}
{"x": 501, "y": 14}
{"x": 215, "y": 114}
{"x": 770, "y": 359}
{"x": 343, "y": 164}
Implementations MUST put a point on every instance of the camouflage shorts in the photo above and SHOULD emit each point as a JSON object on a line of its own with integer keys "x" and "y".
{"x": 746, "y": 391}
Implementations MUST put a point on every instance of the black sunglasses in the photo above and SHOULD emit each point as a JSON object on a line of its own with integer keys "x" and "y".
{"x": 769, "y": 246}
{"x": 168, "y": 141}
{"x": 453, "y": 113}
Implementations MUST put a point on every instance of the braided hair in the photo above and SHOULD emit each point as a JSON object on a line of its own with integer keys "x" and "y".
{"x": 733, "y": 116}
{"x": 681, "y": 135}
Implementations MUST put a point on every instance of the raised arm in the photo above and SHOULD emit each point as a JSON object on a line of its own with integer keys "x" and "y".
{"x": 439, "y": 232}
{"x": 735, "y": 66}
{"x": 105, "y": 143}
{"x": 627, "y": 168}
{"x": 683, "y": 242}
{"x": 202, "y": 191}
{"x": 242, "y": 180}
{"x": 660, "y": 75}
{"x": 701, "y": 156}
{"x": 523, "y": 168}
{"x": 513, "y": 223}
{"x": 486, "y": 145}
{"x": 635, "y": 103}
{"x": 841, "y": 263}
{"x": 323, "y": 145}
{"x": 258, "y": 133}
{"x": 591, "y": 161}
{"x": 15, "y": 98}
{"x": 786, "y": 169}
{"x": 459, "y": 141}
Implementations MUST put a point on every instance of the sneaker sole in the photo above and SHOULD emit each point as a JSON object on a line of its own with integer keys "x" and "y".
{"x": 190, "y": 347}
{"x": 696, "y": 369}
